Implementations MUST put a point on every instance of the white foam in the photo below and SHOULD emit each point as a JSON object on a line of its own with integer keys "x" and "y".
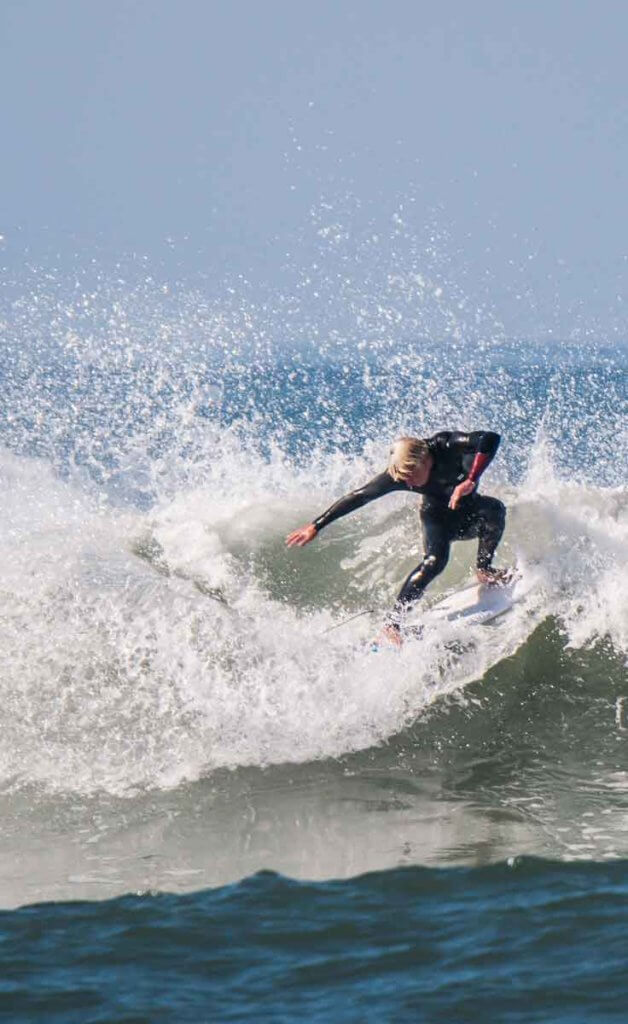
{"x": 123, "y": 671}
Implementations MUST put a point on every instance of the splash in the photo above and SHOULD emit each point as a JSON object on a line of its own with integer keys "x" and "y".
{"x": 156, "y": 451}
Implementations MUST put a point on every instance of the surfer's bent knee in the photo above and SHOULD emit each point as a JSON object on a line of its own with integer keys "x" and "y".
{"x": 431, "y": 566}
{"x": 434, "y": 564}
{"x": 417, "y": 581}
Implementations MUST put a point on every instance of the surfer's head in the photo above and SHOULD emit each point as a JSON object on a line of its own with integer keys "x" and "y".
{"x": 408, "y": 456}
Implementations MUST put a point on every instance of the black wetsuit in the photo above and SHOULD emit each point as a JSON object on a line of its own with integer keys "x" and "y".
{"x": 456, "y": 457}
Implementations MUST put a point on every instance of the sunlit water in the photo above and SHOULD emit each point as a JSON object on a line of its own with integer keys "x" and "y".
{"x": 184, "y": 702}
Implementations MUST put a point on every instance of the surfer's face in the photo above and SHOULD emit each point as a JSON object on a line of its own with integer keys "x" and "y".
{"x": 420, "y": 474}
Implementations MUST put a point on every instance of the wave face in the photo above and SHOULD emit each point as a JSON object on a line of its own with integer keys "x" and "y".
{"x": 155, "y": 630}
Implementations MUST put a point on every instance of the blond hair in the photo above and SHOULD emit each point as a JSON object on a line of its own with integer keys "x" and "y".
{"x": 405, "y": 455}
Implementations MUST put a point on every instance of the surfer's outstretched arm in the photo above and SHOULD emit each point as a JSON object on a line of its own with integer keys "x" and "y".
{"x": 375, "y": 488}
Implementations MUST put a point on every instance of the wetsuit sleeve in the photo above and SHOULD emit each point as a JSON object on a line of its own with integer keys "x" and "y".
{"x": 375, "y": 488}
{"x": 487, "y": 443}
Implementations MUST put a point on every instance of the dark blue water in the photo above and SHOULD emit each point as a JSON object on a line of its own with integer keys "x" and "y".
{"x": 525, "y": 941}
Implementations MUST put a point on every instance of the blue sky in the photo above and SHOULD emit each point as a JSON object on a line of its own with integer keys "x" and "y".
{"x": 223, "y": 137}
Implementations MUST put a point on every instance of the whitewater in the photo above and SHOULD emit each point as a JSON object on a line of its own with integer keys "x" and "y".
{"x": 185, "y": 701}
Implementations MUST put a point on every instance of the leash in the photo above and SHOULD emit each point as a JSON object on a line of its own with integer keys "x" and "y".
{"x": 337, "y": 625}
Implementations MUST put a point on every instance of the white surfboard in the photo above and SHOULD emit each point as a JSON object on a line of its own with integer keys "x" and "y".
{"x": 474, "y": 605}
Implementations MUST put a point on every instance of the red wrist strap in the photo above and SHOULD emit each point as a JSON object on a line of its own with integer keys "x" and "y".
{"x": 478, "y": 466}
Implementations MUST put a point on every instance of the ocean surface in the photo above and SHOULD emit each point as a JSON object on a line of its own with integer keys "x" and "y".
{"x": 216, "y": 803}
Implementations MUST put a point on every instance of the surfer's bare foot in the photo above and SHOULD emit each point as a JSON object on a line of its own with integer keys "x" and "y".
{"x": 390, "y": 635}
{"x": 494, "y": 577}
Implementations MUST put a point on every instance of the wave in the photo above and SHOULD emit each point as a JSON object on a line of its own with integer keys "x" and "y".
{"x": 158, "y": 446}
{"x": 424, "y": 943}
{"x": 144, "y": 647}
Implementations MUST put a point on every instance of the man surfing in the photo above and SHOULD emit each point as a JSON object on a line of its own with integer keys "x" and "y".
{"x": 445, "y": 470}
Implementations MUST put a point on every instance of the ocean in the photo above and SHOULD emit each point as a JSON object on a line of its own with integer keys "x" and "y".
{"x": 217, "y": 804}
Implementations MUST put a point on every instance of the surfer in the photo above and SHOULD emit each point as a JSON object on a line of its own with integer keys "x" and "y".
{"x": 445, "y": 470}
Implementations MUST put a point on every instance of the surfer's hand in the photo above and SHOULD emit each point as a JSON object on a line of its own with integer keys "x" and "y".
{"x": 466, "y": 487}
{"x": 299, "y": 538}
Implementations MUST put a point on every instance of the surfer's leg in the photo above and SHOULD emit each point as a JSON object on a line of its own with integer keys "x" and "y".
{"x": 491, "y": 520}
{"x": 436, "y": 540}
